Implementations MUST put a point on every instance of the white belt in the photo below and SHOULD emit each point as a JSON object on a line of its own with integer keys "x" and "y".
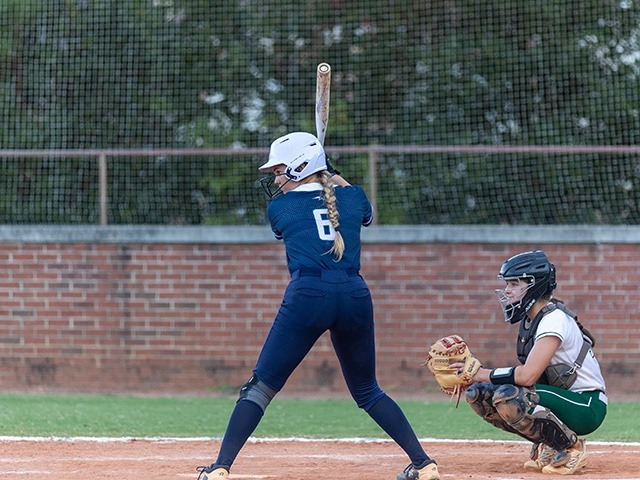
{"x": 603, "y": 398}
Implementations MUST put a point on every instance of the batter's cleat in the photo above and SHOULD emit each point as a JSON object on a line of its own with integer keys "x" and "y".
{"x": 212, "y": 472}
{"x": 427, "y": 472}
{"x": 569, "y": 461}
{"x": 541, "y": 456}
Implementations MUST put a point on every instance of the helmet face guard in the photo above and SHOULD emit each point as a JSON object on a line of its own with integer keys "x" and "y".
{"x": 537, "y": 277}
{"x": 269, "y": 186}
{"x": 515, "y": 307}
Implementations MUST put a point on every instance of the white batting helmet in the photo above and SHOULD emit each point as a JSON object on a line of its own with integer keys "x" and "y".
{"x": 300, "y": 152}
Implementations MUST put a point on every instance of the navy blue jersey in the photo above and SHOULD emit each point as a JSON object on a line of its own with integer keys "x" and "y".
{"x": 300, "y": 219}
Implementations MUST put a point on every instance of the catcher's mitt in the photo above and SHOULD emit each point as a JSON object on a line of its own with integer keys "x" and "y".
{"x": 445, "y": 352}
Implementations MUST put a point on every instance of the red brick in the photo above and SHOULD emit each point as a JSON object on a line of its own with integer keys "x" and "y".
{"x": 193, "y": 317}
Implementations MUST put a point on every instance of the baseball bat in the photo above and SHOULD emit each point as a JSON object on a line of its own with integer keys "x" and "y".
{"x": 323, "y": 86}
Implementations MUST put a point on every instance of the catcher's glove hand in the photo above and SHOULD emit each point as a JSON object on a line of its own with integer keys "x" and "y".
{"x": 445, "y": 352}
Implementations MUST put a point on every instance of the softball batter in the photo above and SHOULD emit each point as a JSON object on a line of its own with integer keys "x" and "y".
{"x": 558, "y": 393}
{"x": 319, "y": 218}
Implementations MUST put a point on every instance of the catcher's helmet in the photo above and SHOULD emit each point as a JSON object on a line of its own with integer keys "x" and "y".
{"x": 540, "y": 276}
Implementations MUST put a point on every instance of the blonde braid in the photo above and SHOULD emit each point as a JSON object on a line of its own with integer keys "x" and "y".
{"x": 329, "y": 197}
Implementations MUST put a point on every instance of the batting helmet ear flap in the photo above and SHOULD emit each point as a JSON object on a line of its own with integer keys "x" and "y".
{"x": 292, "y": 174}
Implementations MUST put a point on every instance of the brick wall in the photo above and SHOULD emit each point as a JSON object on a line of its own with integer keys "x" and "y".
{"x": 190, "y": 318}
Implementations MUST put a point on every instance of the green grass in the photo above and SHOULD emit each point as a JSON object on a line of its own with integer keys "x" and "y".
{"x": 133, "y": 416}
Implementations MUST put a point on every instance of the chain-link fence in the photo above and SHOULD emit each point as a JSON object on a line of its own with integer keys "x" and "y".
{"x": 192, "y": 74}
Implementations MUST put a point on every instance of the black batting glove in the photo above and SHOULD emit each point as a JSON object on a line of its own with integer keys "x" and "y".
{"x": 330, "y": 168}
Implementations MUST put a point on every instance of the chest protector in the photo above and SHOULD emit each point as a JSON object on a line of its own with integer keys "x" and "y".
{"x": 526, "y": 337}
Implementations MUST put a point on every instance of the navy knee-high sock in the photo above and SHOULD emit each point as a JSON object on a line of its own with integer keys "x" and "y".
{"x": 386, "y": 413}
{"x": 243, "y": 421}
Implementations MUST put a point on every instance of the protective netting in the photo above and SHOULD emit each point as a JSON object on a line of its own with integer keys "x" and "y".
{"x": 195, "y": 74}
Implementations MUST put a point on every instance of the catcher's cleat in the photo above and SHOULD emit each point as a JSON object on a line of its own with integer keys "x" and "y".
{"x": 541, "y": 456}
{"x": 428, "y": 472}
{"x": 212, "y": 472}
{"x": 569, "y": 461}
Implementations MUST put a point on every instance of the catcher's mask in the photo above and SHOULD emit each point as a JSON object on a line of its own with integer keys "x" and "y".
{"x": 536, "y": 277}
{"x": 301, "y": 154}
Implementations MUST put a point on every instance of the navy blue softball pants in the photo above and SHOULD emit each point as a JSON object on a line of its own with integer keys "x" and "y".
{"x": 337, "y": 301}
{"x": 316, "y": 301}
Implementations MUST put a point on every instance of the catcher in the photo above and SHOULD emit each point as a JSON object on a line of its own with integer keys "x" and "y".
{"x": 557, "y": 394}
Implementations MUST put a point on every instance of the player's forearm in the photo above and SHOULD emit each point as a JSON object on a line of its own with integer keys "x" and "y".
{"x": 482, "y": 375}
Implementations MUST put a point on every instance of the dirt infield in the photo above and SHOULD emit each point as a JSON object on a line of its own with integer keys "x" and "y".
{"x": 131, "y": 459}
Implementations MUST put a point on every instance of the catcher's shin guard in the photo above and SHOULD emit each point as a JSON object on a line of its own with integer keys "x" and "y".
{"x": 478, "y": 396}
{"x": 513, "y": 404}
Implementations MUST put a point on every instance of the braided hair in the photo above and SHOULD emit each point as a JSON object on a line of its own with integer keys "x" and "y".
{"x": 329, "y": 197}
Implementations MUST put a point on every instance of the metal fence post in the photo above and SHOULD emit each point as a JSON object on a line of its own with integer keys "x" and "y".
{"x": 373, "y": 180}
{"x": 102, "y": 168}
